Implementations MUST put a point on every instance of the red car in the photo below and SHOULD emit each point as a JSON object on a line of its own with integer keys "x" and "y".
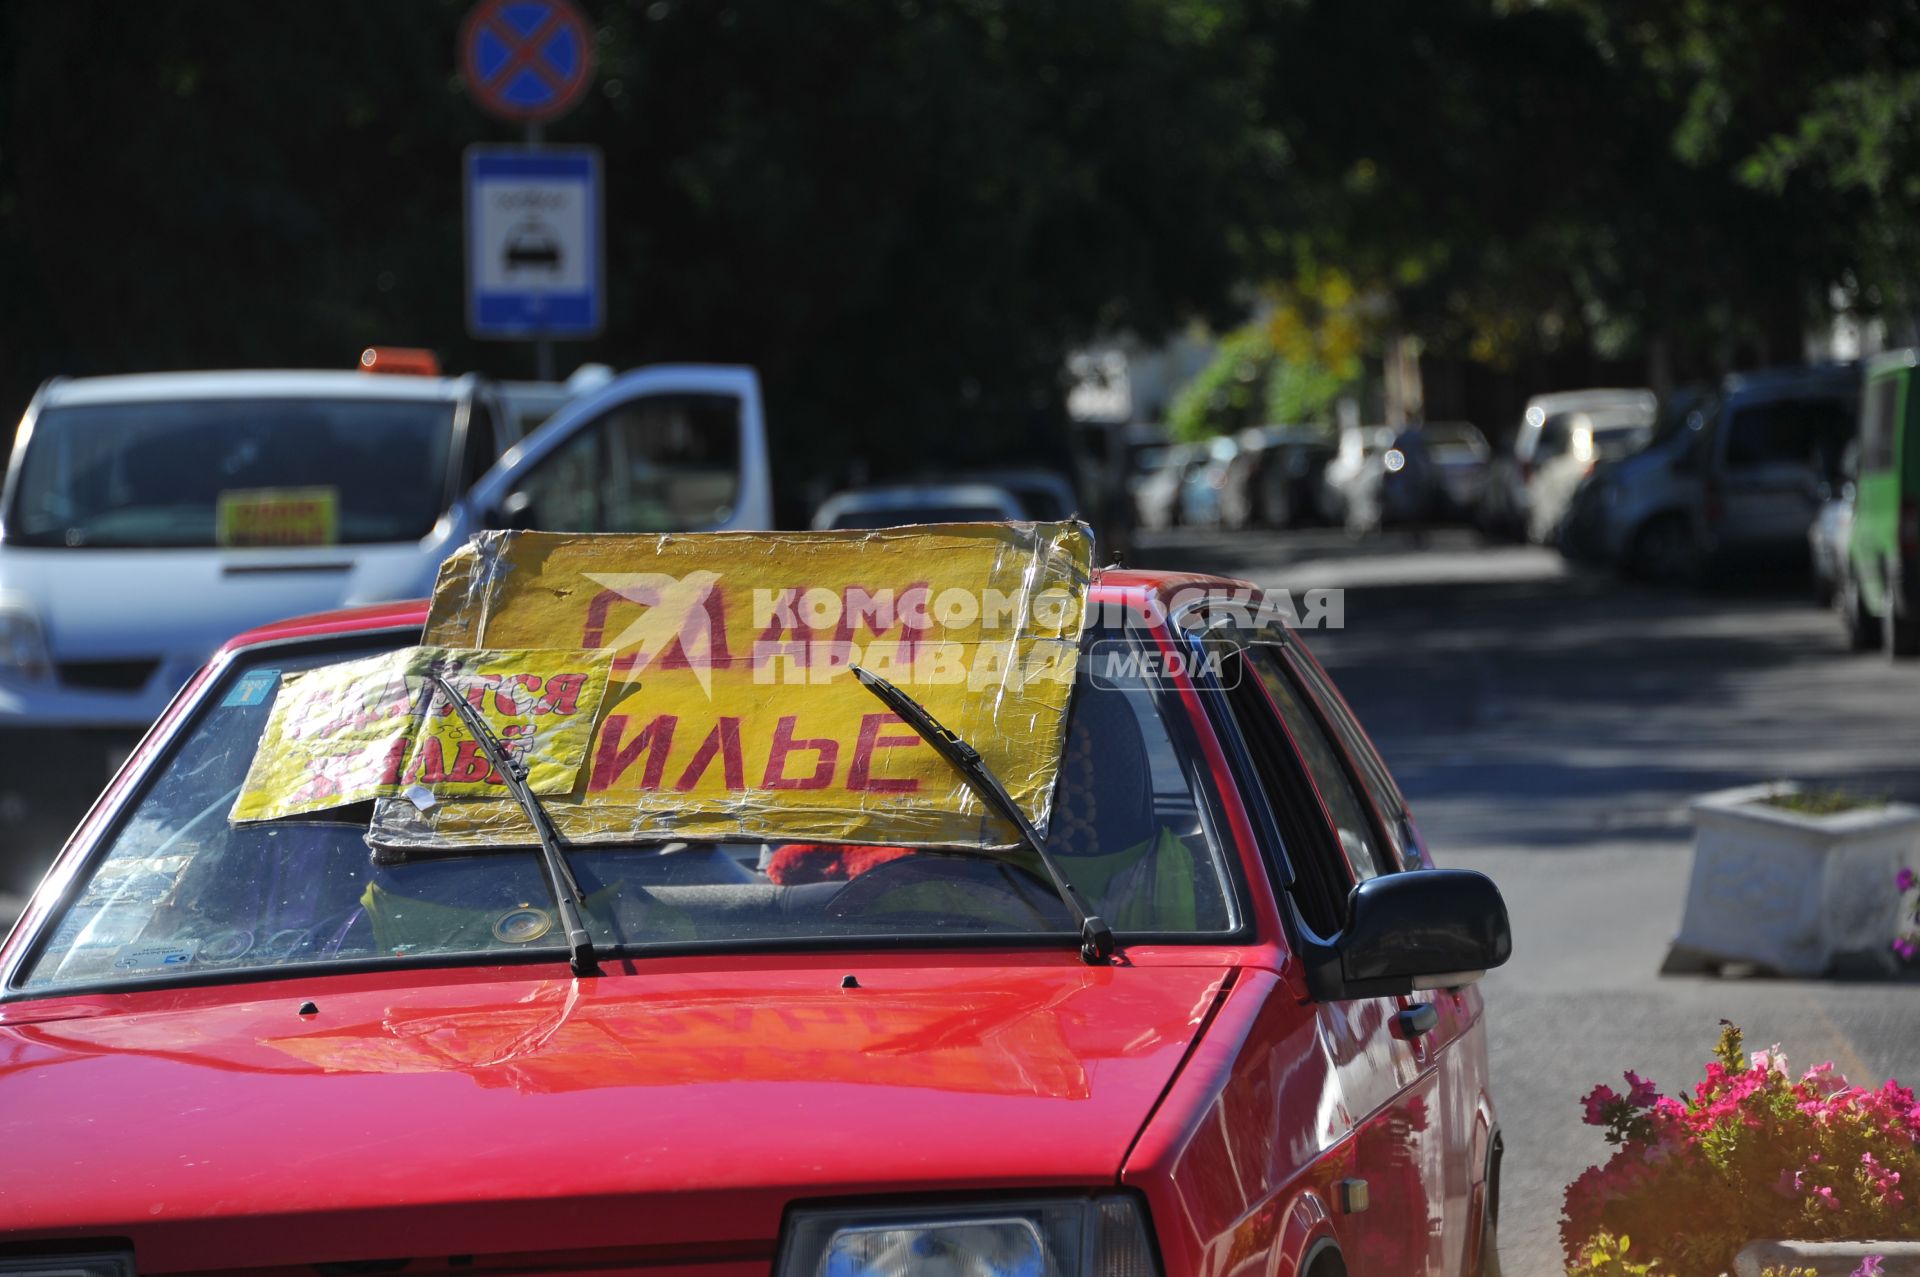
{"x": 1282, "y": 1069}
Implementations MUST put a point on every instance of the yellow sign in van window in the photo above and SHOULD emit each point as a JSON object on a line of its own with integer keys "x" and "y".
{"x": 278, "y": 516}
{"x": 731, "y": 711}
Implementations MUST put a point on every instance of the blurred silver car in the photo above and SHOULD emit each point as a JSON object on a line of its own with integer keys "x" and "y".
{"x": 894, "y": 505}
{"x": 1544, "y": 435}
{"x": 1359, "y": 448}
{"x": 1459, "y": 455}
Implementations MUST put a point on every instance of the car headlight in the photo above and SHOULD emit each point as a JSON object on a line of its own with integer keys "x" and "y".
{"x": 1073, "y": 1237}
{"x": 23, "y": 644}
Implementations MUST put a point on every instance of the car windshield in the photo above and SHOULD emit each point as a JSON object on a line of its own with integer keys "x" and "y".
{"x": 178, "y": 891}
{"x": 1809, "y": 432}
{"x": 276, "y": 471}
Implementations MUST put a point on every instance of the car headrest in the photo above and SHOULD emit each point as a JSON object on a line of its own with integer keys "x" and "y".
{"x": 1104, "y": 799}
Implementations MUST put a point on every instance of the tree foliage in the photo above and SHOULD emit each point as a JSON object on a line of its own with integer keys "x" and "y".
{"x": 903, "y": 212}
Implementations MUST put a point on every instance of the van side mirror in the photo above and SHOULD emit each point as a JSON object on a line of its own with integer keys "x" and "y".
{"x": 1421, "y": 929}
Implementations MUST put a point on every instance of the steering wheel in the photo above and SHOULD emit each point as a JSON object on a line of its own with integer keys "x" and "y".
{"x": 997, "y": 898}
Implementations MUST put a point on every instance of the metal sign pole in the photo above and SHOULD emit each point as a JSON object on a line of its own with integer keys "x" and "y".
{"x": 542, "y": 346}
{"x": 534, "y": 214}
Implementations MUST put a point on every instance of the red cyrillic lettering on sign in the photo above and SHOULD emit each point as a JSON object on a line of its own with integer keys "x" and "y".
{"x": 562, "y": 695}
{"x": 776, "y": 777}
{"x": 470, "y": 766}
{"x": 612, "y": 759}
{"x": 724, "y": 740}
{"x": 860, "y": 774}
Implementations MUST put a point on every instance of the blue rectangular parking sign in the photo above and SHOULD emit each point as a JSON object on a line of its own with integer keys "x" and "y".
{"x": 534, "y": 265}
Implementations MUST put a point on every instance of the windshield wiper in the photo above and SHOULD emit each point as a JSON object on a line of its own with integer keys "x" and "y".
{"x": 1096, "y": 937}
{"x": 567, "y": 898}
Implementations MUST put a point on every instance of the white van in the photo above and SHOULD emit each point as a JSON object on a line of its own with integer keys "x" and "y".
{"x": 146, "y": 519}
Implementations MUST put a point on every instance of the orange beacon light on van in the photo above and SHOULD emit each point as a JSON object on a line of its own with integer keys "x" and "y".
{"x": 410, "y": 361}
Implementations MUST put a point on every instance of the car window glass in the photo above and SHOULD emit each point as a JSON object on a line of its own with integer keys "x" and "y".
{"x": 1320, "y": 882}
{"x": 1877, "y": 424}
{"x": 1555, "y": 433}
{"x": 1374, "y": 777}
{"x": 161, "y": 472}
{"x": 179, "y": 889}
{"x": 664, "y": 463}
{"x": 1359, "y": 843}
{"x": 1807, "y": 432}
{"x": 482, "y": 446}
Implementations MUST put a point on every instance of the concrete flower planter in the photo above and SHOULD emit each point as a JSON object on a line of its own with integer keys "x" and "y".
{"x": 1898, "y": 1259}
{"x": 1793, "y": 894}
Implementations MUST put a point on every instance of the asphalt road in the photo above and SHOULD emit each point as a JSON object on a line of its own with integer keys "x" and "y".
{"x": 1548, "y": 729}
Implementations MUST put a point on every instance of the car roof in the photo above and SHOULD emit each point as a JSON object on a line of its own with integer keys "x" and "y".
{"x": 909, "y": 496}
{"x": 1796, "y": 379}
{"x": 1569, "y": 400}
{"x": 257, "y": 384}
{"x": 412, "y": 613}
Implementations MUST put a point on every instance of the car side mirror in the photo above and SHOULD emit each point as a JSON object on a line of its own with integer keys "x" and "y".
{"x": 1421, "y": 929}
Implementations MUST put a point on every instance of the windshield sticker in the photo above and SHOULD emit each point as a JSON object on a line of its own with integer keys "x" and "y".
{"x": 731, "y": 708}
{"x": 153, "y": 957}
{"x": 372, "y": 728}
{"x": 254, "y": 687}
{"x": 278, "y": 516}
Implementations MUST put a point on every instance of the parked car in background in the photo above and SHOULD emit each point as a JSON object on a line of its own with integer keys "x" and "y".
{"x": 1460, "y": 459}
{"x": 1879, "y": 590}
{"x": 144, "y": 518}
{"x": 1594, "y": 439}
{"x": 1204, "y": 479}
{"x": 1545, "y": 434}
{"x": 1046, "y": 495}
{"x": 916, "y": 1066}
{"x": 1737, "y": 482}
{"x": 1274, "y": 477}
{"x": 898, "y": 504}
{"x": 1357, "y": 448}
{"x": 1159, "y": 474}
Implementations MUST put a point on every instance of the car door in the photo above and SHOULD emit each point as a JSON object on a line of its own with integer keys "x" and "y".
{"x": 677, "y": 447}
{"x": 1876, "y": 499}
{"x": 1456, "y": 1012}
{"x": 666, "y": 449}
{"x": 1330, "y": 838}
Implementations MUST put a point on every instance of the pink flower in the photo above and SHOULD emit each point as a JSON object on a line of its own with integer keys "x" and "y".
{"x": 1641, "y": 1093}
{"x": 1596, "y": 1104}
{"x": 1770, "y": 1060}
{"x": 1906, "y": 880}
{"x": 1905, "y": 948}
{"x": 1824, "y": 1080}
{"x": 1869, "y": 1267}
{"x": 1790, "y": 1184}
{"x": 1824, "y": 1196}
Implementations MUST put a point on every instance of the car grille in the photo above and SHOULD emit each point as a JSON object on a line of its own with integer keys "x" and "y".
{"x": 107, "y": 676}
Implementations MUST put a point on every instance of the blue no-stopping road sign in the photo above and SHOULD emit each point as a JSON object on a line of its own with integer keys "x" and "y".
{"x": 534, "y": 256}
{"x": 526, "y": 60}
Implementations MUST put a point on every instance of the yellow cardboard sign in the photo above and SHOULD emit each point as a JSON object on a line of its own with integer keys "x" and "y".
{"x": 731, "y": 712}
{"x": 367, "y": 729}
{"x": 278, "y": 516}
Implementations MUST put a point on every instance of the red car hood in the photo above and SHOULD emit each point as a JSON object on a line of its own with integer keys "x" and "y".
{"x": 679, "y": 1104}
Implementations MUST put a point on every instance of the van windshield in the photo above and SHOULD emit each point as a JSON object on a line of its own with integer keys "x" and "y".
{"x": 269, "y": 471}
